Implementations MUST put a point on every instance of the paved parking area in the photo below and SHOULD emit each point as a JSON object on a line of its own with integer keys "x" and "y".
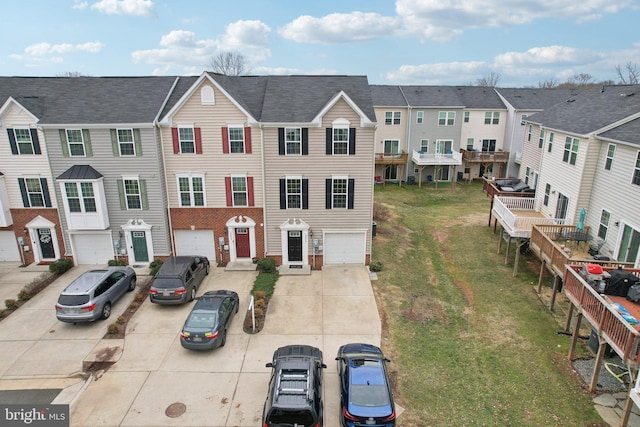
{"x": 225, "y": 387}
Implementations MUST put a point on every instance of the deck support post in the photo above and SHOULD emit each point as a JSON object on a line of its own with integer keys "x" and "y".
{"x": 602, "y": 347}
{"x": 540, "y": 275}
{"x": 556, "y": 281}
{"x": 574, "y": 337}
{"x": 506, "y": 254}
{"x": 628, "y": 404}
{"x": 567, "y": 326}
{"x": 500, "y": 243}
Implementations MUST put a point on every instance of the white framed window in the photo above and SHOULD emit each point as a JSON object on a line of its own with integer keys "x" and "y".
{"x": 132, "y": 195}
{"x": 391, "y": 146}
{"x": 420, "y": 117}
{"x": 529, "y": 133}
{"x": 550, "y": 145}
{"x": 239, "y": 190}
{"x": 23, "y": 140}
{"x": 469, "y": 144}
{"x": 341, "y": 140}
{"x": 35, "y": 192}
{"x": 339, "y": 192}
{"x": 424, "y": 145}
{"x": 294, "y": 192}
{"x": 126, "y": 143}
{"x": 570, "y": 150}
{"x": 524, "y": 118}
{"x": 191, "y": 190}
{"x": 547, "y": 193}
{"x": 446, "y": 118}
{"x": 541, "y": 139}
{"x": 293, "y": 141}
{"x": 467, "y": 116}
{"x": 611, "y": 151}
{"x": 80, "y": 196}
{"x": 605, "y": 216}
{"x": 186, "y": 136}
{"x": 392, "y": 117}
{"x": 636, "y": 171}
{"x": 492, "y": 118}
{"x": 526, "y": 175}
{"x": 236, "y": 139}
{"x": 75, "y": 142}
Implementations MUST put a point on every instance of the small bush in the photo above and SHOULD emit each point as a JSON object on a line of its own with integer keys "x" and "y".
{"x": 155, "y": 266}
{"x": 380, "y": 212}
{"x": 121, "y": 320}
{"x": 113, "y": 329}
{"x": 259, "y": 295}
{"x": 24, "y": 295}
{"x": 11, "y": 304}
{"x": 1, "y": 314}
{"x": 134, "y": 305}
{"x": 260, "y": 303}
{"x": 258, "y": 312}
{"x": 139, "y": 297}
{"x": 265, "y": 283}
{"x": 267, "y": 265}
{"x": 376, "y": 266}
{"x": 116, "y": 262}
{"x": 60, "y": 266}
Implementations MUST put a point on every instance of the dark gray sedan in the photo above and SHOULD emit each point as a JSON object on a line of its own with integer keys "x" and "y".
{"x": 206, "y": 326}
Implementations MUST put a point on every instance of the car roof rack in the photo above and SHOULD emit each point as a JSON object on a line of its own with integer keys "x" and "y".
{"x": 293, "y": 382}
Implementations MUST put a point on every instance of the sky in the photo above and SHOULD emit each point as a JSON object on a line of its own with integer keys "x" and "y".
{"x": 404, "y": 42}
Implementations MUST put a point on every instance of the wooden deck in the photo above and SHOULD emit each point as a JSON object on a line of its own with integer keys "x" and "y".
{"x": 517, "y": 215}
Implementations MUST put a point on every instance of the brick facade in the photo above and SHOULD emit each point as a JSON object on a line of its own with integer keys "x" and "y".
{"x": 23, "y": 216}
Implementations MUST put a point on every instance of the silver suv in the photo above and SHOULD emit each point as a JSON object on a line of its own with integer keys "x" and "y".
{"x": 91, "y": 295}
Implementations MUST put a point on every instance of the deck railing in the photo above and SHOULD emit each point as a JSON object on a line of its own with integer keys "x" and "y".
{"x": 620, "y": 335}
{"x": 490, "y": 188}
{"x": 485, "y": 156}
{"x": 391, "y": 158}
{"x": 518, "y": 224}
{"x": 424, "y": 159}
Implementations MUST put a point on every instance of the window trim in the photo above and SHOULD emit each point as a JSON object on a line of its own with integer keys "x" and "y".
{"x": 541, "y": 138}
{"x": 334, "y": 141}
{"x": 121, "y": 143}
{"x": 602, "y": 226}
{"x": 419, "y": 117}
{"x": 40, "y": 193}
{"x": 391, "y": 117}
{"x": 570, "y": 153}
{"x": 245, "y": 192}
{"x": 192, "y": 192}
{"x": 181, "y": 141}
{"x": 444, "y": 117}
{"x": 15, "y": 136}
{"x": 82, "y": 198}
{"x": 287, "y": 193}
{"x": 82, "y": 143}
{"x": 467, "y": 117}
{"x": 287, "y": 142}
{"x": 232, "y": 141}
{"x": 608, "y": 161}
{"x": 126, "y": 195}
{"x": 635, "y": 179}
{"x": 547, "y": 194}
{"x": 423, "y": 148}
{"x": 550, "y": 144}
{"x": 335, "y": 178}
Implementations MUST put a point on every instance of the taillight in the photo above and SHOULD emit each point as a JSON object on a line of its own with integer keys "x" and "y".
{"x": 181, "y": 291}
{"x": 264, "y": 425}
{"x": 184, "y": 334}
{"x": 390, "y": 417}
{"x": 153, "y": 291}
{"x": 211, "y": 335}
{"x": 348, "y": 416}
{"x": 58, "y": 308}
{"x": 89, "y": 308}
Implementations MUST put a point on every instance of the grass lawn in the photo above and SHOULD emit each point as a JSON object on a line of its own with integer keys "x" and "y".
{"x": 470, "y": 344}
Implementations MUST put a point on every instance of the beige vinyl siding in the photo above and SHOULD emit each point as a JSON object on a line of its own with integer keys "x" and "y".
{"x": 317, "y": 167}
{"x": 27, "y": 165}
{"x": 531, "y": 154}
{"x": 147, "y": 167}
{"x": 213, "y": 163}
{"x": 612, "y": 190}
{"x": 398, "y": 132}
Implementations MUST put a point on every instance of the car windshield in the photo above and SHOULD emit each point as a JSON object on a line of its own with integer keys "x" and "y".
{"x": 201, "y": 320}
{"x": 73, "y": 299}
{"x": 300, "y": 417}
{"x": 167, "y": 283}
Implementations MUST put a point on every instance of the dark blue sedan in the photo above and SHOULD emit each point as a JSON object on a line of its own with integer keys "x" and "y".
{"x": 366, "y": 398}
{"x": 206, "y": 326}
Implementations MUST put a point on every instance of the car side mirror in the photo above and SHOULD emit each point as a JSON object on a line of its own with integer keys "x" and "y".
{"x": 387, "y": 360}
{"x": 269, "y": 365}
{"x": 323, "y": 366}
{"x": 338, "y": 358}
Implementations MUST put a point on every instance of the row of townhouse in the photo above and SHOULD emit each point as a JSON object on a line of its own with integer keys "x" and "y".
{"x": 583, "y": 155}
{"x": 233, "y": 168}
{"x": 450, "y": 133}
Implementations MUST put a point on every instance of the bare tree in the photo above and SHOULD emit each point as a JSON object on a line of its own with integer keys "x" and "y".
{"x": 630, "y": 75}
{"x": 229, "y": 64}
{"x": 490, "y": 80}
{"x": 548, "y": 84}
{"x": 71, "y": 74}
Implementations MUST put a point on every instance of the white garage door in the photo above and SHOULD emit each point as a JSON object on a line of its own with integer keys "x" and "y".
{"x": 344, "y": 248}
{"x": 92, "y": 248}
{"x": 9, "y": 251}
{"x": 195, "y": 242}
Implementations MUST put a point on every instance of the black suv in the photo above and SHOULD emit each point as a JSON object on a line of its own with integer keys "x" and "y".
{"x": 295, "y": 389}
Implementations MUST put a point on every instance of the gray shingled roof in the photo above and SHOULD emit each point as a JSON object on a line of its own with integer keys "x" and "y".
{"x": 387, "y": 96}
{"x": 628, "y": 132}
{"x": 535, "y": 98}
{"x": 432, "y": 96}
{"x": 90, "y": 100}
{"x": 80, "y": 172}
{"x": 591, "y": 109}
{"x": 482, "y": 97}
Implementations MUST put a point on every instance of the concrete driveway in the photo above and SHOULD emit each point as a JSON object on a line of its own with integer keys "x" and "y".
{"x": 155, "y": 382}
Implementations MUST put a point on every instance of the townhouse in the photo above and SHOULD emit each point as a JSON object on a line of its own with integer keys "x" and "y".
{"x": 584, "y": 154}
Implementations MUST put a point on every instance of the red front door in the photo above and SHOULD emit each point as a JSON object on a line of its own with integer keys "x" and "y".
{"x": 243, "y": 249}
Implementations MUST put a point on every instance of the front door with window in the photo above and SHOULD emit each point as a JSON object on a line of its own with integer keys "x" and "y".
{"x": 243, "y": 247}
{"x": 629, "y": 245}
{"x": 46, "y": 243}
{"x": 294, "y": 243}
{"x": 139, "y": 242}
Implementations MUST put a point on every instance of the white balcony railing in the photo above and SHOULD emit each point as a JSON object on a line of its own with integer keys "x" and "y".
{"x": 518, "y": 214}
{"x": 425, "y": 159}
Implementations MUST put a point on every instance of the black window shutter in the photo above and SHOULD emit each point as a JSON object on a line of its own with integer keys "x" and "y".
{"x": 12, "y": 141}
{"x": 23, "y": 192}
{"x": 350, "y": 196}
{"x": 305, "y": 141}
{"x": 329, "y": 150}
{"x": 328, "y": 193}
{"x": 352, "y": 141}
{"x": 45, "y": 192}
{"x": 305, "y": 194}
{"x": 35, "y": 141}
{"x": 281, "y": 149}
{"x": 283, "y": 194}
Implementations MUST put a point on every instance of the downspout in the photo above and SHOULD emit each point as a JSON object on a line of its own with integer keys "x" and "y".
{"x": 409, "y": 108}
{"x": 156, "y": 123}
{"x": 264, "y": 195}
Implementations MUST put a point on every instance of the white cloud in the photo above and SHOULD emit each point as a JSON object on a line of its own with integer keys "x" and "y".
{"x": 79, "y": 5}
{"x": 182, "y": 51}
{"x": 339, "y": 27}
{"x": 124, "y": 7}
{"x": 44, "y": 49}
{"x": 439, "y": 73}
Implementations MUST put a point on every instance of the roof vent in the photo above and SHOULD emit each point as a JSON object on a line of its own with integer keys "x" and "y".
{"x": 570, "y": 100}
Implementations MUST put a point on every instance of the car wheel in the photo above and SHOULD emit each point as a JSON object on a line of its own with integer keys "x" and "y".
{"x": 132, "y": 284}
{"x": 106, "y": 311}
{"x": 207, "y": 269}
{"x": 224, "y": 339}
{"x": 192, "y": 296}
{"x": 237, "y": 307}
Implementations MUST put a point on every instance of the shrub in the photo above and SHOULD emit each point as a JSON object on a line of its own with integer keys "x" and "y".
{"x": 38, "y": 284}
{"x": 1, "y": 314}
{"x": 139, "y": 297}
{"x": 113, "y": 329}
{"x": 134, "y": 305}
{"x": 265, "y": 283}
{"x": 267, "y": 265}
{"x": 259, "y": 294}
{"x": 155, "y": 266}
{"x": 376, "y": 266}
{"x": 116, "y": 262}
{"x": 11, "y": 304}
{"x": 23, "y": 295}
{"x": 60, "y": 266}
{"x": 258, "y": 312}
{"x": 121, "y": 320}
{"x": 380, "y": 212}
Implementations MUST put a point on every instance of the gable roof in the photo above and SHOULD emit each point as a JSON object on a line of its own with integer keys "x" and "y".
{"x": 88, "y": 100}
{"x": 480, "y": 97}
{"x": 432, "y": 96}
{"x": 535, "y": 98}
{"x": 628, "y": 132}
{"x": 592, "y": 110}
